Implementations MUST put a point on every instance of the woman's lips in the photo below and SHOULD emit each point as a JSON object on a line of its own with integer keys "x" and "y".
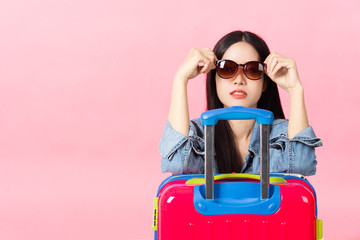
{"x": 238, "y": 94}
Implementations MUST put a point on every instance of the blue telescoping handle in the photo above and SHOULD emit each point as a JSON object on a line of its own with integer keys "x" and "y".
{"x": 211, "y": 117}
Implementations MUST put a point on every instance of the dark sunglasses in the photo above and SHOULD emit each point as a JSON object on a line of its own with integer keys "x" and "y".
{"x": 227, "y": 69}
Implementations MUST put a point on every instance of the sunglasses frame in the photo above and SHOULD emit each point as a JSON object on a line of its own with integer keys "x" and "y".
{"x": 237, "y": 68}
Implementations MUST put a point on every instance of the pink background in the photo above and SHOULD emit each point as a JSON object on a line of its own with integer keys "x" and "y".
{"x": 84, "y": 96}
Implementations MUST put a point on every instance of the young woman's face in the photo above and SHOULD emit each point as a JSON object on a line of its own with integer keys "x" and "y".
{"x": 239, "y": 90}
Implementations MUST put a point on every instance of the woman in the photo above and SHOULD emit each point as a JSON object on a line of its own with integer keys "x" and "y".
{"x": 241, "y": 71}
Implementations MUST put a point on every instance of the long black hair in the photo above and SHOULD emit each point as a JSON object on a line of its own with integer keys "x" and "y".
{"x": 228, "y": 159}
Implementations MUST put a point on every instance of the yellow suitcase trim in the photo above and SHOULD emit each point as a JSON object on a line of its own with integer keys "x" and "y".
{"x": 155, "y": 220}
{"x": 319, "y": 229}
{"x": 235, "y": 175}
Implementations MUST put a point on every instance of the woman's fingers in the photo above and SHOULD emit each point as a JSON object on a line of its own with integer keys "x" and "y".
{"x": 208, "y": 60}
{"x": 271, "y": 62}
{"x": 282, "y": 70}
{"x": 276, "y": 61}
{"x": 198, "y": 61}
{"x": 276, "y": 68}
{"x": 208, "y": 66}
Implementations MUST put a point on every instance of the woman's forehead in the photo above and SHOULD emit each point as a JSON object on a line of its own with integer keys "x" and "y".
{"x": 241, "y": 52}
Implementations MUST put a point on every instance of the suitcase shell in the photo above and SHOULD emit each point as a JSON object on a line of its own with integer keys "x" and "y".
{"x": 180, "y": 217}
{"x": 236, "y": 206}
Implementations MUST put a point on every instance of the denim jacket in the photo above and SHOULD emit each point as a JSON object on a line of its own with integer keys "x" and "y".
{"x": 182, "y": 155}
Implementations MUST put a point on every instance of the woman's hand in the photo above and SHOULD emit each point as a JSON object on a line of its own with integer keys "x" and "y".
{"x": 198, "y": 61}
{"x": 283, "y": 71}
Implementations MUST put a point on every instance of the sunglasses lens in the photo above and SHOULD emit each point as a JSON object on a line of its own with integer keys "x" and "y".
{"x": 226, "y": 69}
{"x": 254, "y": 70}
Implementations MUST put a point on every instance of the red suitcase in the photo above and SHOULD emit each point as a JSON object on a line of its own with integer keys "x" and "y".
{"x": 236, "y": 206}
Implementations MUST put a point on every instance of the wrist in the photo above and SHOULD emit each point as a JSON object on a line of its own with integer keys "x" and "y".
{"x": 180, "y": 81}
{"x": 296, "y": 90}
{"x": 180, "y": 78}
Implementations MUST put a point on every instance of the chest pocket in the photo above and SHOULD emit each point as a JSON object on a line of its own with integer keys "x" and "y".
{"x": 278, "y": 142}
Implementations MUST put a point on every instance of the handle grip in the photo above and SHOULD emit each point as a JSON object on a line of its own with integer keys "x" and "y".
{"x": 211, "y": 117}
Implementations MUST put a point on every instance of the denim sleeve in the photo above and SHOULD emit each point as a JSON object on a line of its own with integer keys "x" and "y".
{"x": 302, "y": 152}
{"x": 297, "y": 155}
{"x": 181, "y": 154}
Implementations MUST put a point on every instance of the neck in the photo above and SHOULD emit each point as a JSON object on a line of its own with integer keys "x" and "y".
{"x": 242, "y": 129}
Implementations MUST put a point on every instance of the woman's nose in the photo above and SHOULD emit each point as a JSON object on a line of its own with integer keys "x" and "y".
{"x": 240, "y": 78}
